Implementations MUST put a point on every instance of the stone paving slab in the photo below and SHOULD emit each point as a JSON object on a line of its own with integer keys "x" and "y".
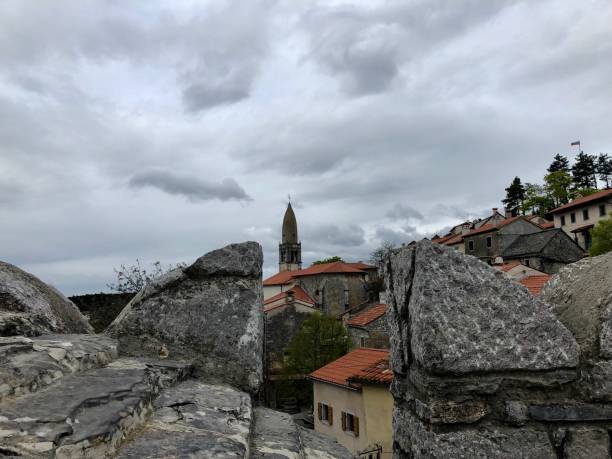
{"x": 86, "y": 414}
{"x": 195, "y": 420}
{"x": 28, "y": 364}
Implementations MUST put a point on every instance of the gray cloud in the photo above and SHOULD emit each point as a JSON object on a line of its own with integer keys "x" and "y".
{"x": 350, "y": 109}
{"x": 329, "y": 234}
{"x": 400, "y": 211}
{"x": 193, "y": 188}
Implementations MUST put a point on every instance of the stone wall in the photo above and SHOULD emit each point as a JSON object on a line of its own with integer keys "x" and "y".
{"x": 281, "y": 327}
{"x": 329, "y": 290}
{"x": 101, "y": 308}
{"x": 483, "y": 369}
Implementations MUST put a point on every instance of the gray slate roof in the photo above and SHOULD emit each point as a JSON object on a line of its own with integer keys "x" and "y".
{"x": 533, "y": 243}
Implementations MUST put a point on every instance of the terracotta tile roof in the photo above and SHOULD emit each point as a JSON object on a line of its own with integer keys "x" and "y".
{"x": 298, "y": 292}
{"x": 368, "y": 316}
{"x": 352, "y": 364}
{"x": 508, "y": 266}
{"x": 454, "y": 240}
{"x": 327, "y": 268}
{"x": 282, "y": 278}
{"x": 443, "y": 239}
{"x": 548, "y": 225}
{"x": 377, "y": 373}
{"x": 491, "y": 227}
{"x": 535, "y": 283}
{"x": 584, "y": 200}
{"x": 363, "y": 266}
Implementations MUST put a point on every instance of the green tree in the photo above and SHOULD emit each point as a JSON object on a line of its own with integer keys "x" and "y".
{"x": 604, "y": 169}
{"x": 560, "y": 163}
{"x": 602, "y": 237}
{"x": 321, "y": 340}
{"x": 537, "y": 201}
{"x": 515, "y": 195}
{"x": 557, "y": 185}
{"x": 327, "y": 260}
{"x": 584, "y": 171}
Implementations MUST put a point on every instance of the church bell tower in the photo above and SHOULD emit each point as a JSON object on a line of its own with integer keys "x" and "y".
{"x": 290, "y": 248}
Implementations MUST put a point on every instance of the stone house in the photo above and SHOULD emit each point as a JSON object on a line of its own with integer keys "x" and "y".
{"x": 353, "y": 404}
{"x": 369, "y": 328}
{"x": 547, "y": 251}
{"x": 334, "y": 287}
{"x": 579, "y": 216}
{"x": 517, "y": 270}
{"x": 518, "y": 238}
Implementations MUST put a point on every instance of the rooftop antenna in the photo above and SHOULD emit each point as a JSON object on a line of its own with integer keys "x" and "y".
{"x": 289, "y": 198}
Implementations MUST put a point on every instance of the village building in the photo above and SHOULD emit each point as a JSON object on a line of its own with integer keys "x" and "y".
{"x": 579, "y": 216}
{"x": 517, "y": 270}
{"x": 368, "y": 328}
{"x": 353, "y": 404}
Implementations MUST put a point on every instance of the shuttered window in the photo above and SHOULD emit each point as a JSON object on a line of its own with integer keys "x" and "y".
{"x": 325, "y": 413}
{"x": 350, "y": 423}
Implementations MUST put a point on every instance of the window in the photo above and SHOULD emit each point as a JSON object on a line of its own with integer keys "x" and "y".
{"x": 489, "y": 241}
{"x": 350, "y": 423}
{"x": 526, "y": 262}
{"x": 602, "y": 210}
{"x": 471, "y": 246}
{"x": 585, "y": 214}
{"x": 325, "y": 413}
{"x": 562, "y": 220}
{"x": 573, "y": 217}
{"x": 362, "y": 342}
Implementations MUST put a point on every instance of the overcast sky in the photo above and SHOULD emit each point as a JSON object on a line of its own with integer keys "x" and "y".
{"x": 160, "y": 130}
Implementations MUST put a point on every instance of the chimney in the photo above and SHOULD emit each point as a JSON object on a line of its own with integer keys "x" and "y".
{"x": 290, "y": 298}
{"x": 494, "y": 211}
{"x": 508, "y": 212}
{"x": 466, "y": 227}
{"x": 498, "y": 261}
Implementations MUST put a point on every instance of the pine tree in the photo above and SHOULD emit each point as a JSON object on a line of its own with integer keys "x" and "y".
{"x": 560, "y": 163}
{"x": 604, "y": 169}
{"x": 583, "y": 171}
{"x": 515, "y": 195}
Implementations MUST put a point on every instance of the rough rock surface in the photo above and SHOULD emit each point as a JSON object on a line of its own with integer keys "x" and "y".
{"x": 277, "y": 436}
{"x": 209, "y": 313}
{"x": 452, "y": 313}
{"x": 483, "y": 369}
{"x": 581, "y": 295}
{"x": 492, "y": 443}
{"x": 195, "y": 420}
{"x": 88, "y": 413}
{"x": 27, "y": 364}
{"x": 29, "y": 307}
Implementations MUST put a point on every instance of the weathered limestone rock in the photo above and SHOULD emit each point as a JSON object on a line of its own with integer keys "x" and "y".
{"x": 416, "y": 441}
{"x": 28, "y": 364}
{"x": 581, "y": 295}
{"x": 87, "y": 414}
{"x": 587, "y": 443}
{"x": 209, "y": 313}
{"x": 29, "y": 307}
{"x": 195, "y": 420}
{"x": 451, "y": 313}
{"x": 481, "y": 367}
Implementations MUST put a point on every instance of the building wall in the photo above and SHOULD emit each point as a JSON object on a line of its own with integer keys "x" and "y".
{"x": 500, "y": 239}
{"x": 375, "y": 334}
{"x": 594, "y": 217}
{"x": 341, "y": 399}
{"x": 282, "y": 325}
{"x": 329, "y": 290}
{"x": 378, "y": 407}
{"x": 521, "y": 271}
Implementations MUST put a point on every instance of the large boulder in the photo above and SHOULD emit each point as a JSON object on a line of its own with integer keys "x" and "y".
{"x": 581, "y": 296}
{"x": 477, "y": 360}
{"x": 30, "y": 307}
{"x": 209, "y": 313}
{"x": 451, "y": 313}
